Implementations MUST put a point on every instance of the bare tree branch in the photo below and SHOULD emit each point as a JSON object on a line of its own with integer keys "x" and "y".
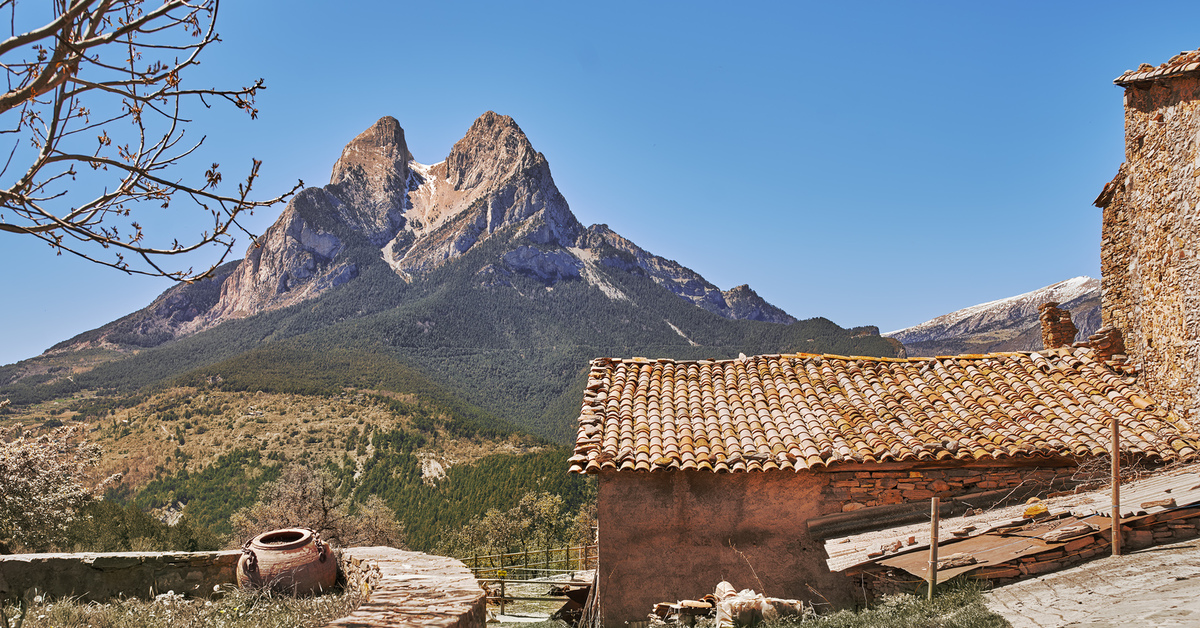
{"x": 125, "y": 60}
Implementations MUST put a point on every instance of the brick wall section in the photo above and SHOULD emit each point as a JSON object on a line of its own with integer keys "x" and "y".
{"x": 1151, "y": 241}
{"x": 847, "y": 491}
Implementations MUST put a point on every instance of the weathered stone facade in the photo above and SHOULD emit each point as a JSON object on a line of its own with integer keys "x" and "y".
{"x": 1151, "y": 235}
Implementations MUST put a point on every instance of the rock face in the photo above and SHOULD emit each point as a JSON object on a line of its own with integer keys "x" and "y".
{"x": 381, "y": 203}
{"x": 1010, "y": 324}
{"x": 296, "y": 259}
{"x": 740, "y": 303}
{"x": 492, "y": 179}
{"x": 370, "y": 181}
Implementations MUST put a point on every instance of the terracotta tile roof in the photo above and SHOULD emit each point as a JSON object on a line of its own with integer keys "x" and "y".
{"x": 1185, "y": 62}
{"x": 809, "y": 411}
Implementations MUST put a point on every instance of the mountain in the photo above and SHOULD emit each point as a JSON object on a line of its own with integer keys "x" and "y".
{"x": 471, "y": 272}
{"x": 1009, "y": 324}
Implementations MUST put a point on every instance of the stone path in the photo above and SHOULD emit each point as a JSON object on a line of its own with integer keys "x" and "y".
{"x": 1159, "y": 586}
{"x": 415, "y": 589}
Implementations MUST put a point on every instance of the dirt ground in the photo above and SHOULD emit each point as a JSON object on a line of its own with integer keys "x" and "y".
{"x": 1159, "y": 586}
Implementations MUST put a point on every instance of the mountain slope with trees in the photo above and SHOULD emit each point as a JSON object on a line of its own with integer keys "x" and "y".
{"x": 471, "y": 272}
{"x": 404, "y": 318}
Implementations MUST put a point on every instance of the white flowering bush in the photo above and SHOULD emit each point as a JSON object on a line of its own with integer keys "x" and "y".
{"x": 43, "y": 481}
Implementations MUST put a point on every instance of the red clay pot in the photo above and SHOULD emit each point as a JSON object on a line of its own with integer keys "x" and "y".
{"x": 291, "y": 560}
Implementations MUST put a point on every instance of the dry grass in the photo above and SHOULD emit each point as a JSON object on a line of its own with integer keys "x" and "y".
{"x": 237, "y": 609}
{"x": 138, "y": 440}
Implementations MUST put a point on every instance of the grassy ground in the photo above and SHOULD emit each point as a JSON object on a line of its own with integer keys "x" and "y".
{"x": 237, "y": 609}
{"x": 959, "y": 606}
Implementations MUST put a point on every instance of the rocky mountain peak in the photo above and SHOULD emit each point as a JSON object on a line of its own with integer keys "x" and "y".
{"x": 416, "y": 217}
{"x": 380, "y": 152}
{"x": 492, "y": 179}
{"x": 493, "y": 149}
{"x": 370, "y": 178}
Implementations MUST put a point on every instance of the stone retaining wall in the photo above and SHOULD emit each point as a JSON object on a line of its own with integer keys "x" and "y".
{"x": 402, "y": 588}
{"x": 102, "y": 576}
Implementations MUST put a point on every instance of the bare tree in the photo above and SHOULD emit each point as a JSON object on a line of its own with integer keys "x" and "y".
{"x": 308, "y": 498}
{"x": 94, "y": 116}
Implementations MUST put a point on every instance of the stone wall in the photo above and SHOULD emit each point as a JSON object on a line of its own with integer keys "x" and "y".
{"x": 1151, "y": 240}
{"x": 401, "y": 588}
{"x": 100, "y": 577}
{"x": 848, "y": 491}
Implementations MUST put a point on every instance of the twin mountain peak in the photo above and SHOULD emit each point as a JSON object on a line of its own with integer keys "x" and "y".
{"x": 383, "y": 205}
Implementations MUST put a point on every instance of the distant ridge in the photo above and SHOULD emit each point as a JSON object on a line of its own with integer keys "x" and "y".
{"x": 1009, "y": 324}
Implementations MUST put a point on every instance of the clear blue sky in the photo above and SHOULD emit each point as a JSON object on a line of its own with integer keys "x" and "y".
{"x": 870, "y": 162}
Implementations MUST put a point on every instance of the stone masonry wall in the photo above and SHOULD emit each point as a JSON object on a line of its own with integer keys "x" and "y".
{"x": 1151, "y": 241}
{"x": 848, "y": 491}
{"x": 100, "y": 577}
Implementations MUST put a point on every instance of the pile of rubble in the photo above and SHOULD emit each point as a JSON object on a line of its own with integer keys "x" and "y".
{"x": 730, "y": 607}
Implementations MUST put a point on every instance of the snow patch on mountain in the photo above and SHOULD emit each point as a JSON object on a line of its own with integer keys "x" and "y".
{"x": 1003, "y": 317}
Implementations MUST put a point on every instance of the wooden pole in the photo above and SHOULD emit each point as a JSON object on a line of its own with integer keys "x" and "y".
{"x": 933, "y": 545}
{"x": 1116, "y": 487}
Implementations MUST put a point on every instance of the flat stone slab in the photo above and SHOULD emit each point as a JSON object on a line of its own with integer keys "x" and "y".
{"x": 1159, "y": 586}
{"x": 416, "y": 589}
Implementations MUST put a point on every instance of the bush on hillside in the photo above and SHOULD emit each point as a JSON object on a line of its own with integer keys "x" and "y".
{"x": 307, "y": 498}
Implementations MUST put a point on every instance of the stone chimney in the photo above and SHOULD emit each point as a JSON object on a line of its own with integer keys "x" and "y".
{"x": 1057, "y": 328}
{"x": 1107, "y": 344}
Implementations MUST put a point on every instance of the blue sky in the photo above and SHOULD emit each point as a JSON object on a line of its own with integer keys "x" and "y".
{"x": 872, "y": 163}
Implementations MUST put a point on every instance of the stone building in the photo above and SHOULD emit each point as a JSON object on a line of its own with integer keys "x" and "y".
{"x": 736, "y": 470}
{"x": 1151, "y": 232}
